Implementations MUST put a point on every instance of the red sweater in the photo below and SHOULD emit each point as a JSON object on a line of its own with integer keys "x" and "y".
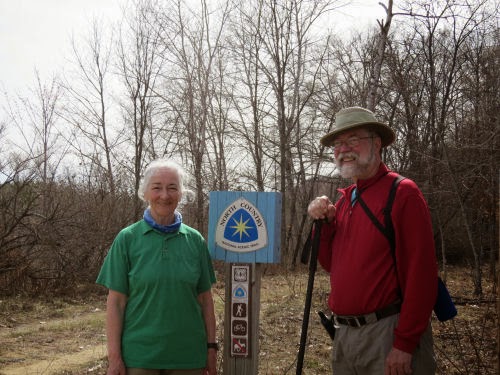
{"x": 358, "y": 256}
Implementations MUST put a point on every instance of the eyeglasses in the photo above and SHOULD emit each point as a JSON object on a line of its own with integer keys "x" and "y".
{"x": 350, "y": 142}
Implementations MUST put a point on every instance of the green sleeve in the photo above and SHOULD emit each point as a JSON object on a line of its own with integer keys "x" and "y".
{"x": 207, "y": 277}
{"x": 114, "y": 270}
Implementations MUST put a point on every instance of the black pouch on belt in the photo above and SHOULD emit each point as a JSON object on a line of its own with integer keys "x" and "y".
{"x": 328, "y": 324}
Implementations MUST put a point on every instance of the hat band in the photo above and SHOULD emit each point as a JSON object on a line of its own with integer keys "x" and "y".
{"x": 359, "y": 118}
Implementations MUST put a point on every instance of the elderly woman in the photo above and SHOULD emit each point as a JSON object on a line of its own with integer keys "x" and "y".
{"x": 160, "y": 313}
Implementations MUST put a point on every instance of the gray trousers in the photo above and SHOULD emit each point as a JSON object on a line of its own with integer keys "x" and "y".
{"x": 362, "y": 351}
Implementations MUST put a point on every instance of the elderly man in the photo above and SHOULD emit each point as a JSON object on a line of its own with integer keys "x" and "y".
{"x": 381, "y": 300}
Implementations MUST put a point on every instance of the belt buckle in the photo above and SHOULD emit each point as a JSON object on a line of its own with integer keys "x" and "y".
{"x": 357, "y": 321}
{"x": 351, "y": 321}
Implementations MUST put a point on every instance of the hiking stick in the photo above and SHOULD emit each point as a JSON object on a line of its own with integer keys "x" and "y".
{"x": 310, "y": 285}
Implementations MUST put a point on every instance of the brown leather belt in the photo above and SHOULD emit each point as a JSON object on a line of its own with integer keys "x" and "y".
{"x": 361, "y": 320}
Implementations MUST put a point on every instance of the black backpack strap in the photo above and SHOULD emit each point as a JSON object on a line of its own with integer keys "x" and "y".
{"x": 372, "y": 217}
{"x": 389, "y": 227}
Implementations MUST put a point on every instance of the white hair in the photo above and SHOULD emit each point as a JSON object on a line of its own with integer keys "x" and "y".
{"x": 153, "y": 167}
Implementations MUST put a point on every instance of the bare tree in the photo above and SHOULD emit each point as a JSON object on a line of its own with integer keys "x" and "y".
{"x": 271, "y": 46}
{"x": 192, "y": 48}
{"x": 378, "y": 58}
{"x": 250, "y": 99}
{"x": 481, "y": 132}
{"x": 139, "y": 66}
{"x": 220, "y": 133}
{"x": 427, "y": 66}
{"x": 34, "y": 210}
{"x": 17, "y": 204}
{"x": 34, "y": 118}
{"x": 88, "y": 89}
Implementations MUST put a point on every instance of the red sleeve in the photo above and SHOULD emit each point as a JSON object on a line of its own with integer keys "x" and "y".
{"x": 325, "y": 245}
{"x": 416, "y": 264}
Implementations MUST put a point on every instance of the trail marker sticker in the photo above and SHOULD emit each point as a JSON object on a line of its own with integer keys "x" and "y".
{"x": 240, "y": 315}
{"x": 241, "y": 274}
{"x": 239, "y": 310}
{"x": 240, "y": 292}
{"x": 239, "y": 327}
{"x": 240, "y": 346}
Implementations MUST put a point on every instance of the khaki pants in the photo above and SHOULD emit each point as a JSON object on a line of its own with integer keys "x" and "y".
{"x": 143, "y": 371}
{"x": 362, "y": 351}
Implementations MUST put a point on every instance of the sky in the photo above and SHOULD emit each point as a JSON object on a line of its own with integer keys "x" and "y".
{"x": 36, "y": 34}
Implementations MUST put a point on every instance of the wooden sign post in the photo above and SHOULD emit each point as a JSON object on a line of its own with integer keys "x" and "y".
{"x": 244, "y": 232}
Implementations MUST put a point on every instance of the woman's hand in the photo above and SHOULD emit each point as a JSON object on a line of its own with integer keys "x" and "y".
{"x": 115, "y": 310}
{"x": 211, "y": 368}
{"x": 206, "y": 301}
{"x": 116, "y": 367}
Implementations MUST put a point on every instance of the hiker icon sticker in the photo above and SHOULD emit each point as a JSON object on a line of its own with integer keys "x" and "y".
{"x": 241, "y": 228}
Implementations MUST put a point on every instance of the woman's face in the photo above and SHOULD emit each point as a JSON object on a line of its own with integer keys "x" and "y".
{"x": 163, "y": 194}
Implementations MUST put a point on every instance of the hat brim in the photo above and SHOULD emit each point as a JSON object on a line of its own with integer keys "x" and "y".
{"x": 386, "y": 134}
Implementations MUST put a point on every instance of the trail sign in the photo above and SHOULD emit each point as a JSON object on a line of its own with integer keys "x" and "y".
{"x": 244, "y": 227}
{"x": 244, "y": 230}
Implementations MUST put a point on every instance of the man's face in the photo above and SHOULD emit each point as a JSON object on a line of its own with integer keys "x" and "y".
{"x": 357, "y": 153}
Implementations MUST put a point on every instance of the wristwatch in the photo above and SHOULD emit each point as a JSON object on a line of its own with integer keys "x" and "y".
{"x": 212, "y": 345}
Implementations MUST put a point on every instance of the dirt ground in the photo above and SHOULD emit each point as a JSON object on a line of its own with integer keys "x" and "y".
{"x": 67, "y": 335}
{"x": 51, "y": 336}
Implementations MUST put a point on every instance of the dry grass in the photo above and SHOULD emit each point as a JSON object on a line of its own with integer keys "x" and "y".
{"x": 50, "y": 336}
{"x": 65, "y": 336}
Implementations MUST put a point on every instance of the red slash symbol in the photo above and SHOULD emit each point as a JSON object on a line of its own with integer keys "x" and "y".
{"x": 239, "y": 345}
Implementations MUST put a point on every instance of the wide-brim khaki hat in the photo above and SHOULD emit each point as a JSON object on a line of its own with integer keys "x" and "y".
{"x": 353, "y": 117}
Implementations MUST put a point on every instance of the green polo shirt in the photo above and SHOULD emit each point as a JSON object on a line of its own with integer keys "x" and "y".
{"x": 162, "y": 274}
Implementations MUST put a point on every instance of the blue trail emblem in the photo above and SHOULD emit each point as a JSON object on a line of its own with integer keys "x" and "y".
{"x": 241, "y": 227}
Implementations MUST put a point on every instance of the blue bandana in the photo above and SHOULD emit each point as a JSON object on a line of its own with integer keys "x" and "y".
{"x": 163, "y": 228}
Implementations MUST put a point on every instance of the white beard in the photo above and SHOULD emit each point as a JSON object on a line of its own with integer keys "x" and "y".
{"x": 358, "y": 168}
